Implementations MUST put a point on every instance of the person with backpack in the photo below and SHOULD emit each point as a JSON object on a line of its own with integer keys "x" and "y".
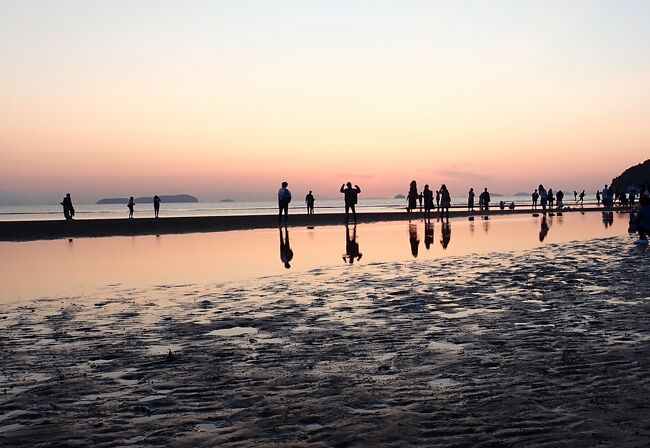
{"x": 284, "y": 198}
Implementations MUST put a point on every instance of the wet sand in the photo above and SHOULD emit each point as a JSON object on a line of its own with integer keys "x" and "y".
{"x": 544, "y": 348}
{"x": 39, "y": 230}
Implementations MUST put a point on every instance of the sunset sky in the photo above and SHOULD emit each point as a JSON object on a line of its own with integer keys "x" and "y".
{"x": 228, "y": 98}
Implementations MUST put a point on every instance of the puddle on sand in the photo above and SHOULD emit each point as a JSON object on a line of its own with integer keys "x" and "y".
{"x": 233, "y": 331}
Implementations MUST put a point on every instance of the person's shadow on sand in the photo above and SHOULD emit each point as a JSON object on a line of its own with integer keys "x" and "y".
{"x": 286, "y": 254}
{"x": 351, "y": 245}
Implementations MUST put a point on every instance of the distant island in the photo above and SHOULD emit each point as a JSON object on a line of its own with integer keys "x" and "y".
{"x": 227, "y": 200}
{"x": 521, "y": 193}
{"x": 169, "y": 199}
{"x": 399, "y": 196}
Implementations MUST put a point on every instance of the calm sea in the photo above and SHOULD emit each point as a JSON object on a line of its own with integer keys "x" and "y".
{"x": 87, "y": 211}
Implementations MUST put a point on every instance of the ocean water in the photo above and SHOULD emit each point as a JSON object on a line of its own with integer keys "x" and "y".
{"x": 145, "y": 210}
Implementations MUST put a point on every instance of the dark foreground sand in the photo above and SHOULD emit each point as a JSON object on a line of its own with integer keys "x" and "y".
{"x": 549, "y": 348}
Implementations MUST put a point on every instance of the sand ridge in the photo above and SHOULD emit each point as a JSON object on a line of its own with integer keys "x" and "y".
{"x": 544, "y": 348}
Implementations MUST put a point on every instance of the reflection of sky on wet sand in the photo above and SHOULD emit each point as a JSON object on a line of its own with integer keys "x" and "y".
{"x": 62, "y": 267}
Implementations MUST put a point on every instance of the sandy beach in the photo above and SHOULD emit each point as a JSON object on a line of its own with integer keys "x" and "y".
{"x": 49, "y": 229}
{"x": 548, "y": 347}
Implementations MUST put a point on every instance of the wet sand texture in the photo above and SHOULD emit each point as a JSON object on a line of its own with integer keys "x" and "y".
{"x": 549, "y": 348}
{"x": 39, "y": 230}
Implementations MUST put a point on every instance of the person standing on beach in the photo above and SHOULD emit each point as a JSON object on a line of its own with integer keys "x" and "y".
{"x": 309, "y": 200}
{"x": 598, "y": 197}
{"x": 535, "y": 197}
{"x": 284, "y": 198}
{"x": 412, "y": 197}
{"x": 428, "y": 201}
{"x": 445, "y": 200}
{"x": 68, "y": 208}
{"x": 582, "y": 197}
{"x": 560, "y": 196}
{"x": 550, "y": 197}
{"x": 286, "y": 254}
{"x": 543, "y": 197}
{"x": 470, "y": 200}
{"x": 605, "y": 196}
{"x": 438, "y": 200}
{"x": 130, "y": 206}
{"x": 486, "y": 200}
{"x": 575, "y": 196}
{"x": 156, "y": 206}
{"x": 350, "y": 197}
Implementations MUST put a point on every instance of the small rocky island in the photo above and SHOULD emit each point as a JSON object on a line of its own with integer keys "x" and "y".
{"x": 165, "y": 199}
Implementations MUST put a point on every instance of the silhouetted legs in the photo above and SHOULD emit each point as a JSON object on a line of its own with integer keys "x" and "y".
{"x": 283, "y": 207}
{"x": 349, "y": 207}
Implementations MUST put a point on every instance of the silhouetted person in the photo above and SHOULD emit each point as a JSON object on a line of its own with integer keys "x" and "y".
{"x": 575, "y": 196}
{"x": 428, "y": 201}
{"x": 535, "y": 197}
{"x": 414, "y": 239}
{"x": 605, "y": 196}
{"x": 68, "y": 208}
{"x": 511, "y": 206}
{"x": 582, "y": 197}
{"x": 502, "y": 205}
{"x": 543, "y": 197}
{"x": 284, "y": 198}
{"x": 309, "y": 200}
{"x": 420, "y": 197}
{"x": 130, "y": 206}
{"x": 486, "y": 200}
{"x": 642, "y": 220}
{"x": 286, "y": 254}
{"x": 412, "y": 197}
{"x": 543, "y": 230}
{"x": 560, "y": 196}
{"x": 446, "y": 234}
{"x": 428, "y": 235}
{"x": 156, "y": 206}
{"x": 445, "y": 200}
{"x": 550, "y": 197}
{"x": 470, "y": 200}
{"x": 438, "y": 200}
{"x": 351, "y": 245}
{"x": 598, "y": 197}
{"x": 350, "y": 196}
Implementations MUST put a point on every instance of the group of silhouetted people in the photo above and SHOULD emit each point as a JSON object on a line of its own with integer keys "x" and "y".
{"x": 68, "y": 208}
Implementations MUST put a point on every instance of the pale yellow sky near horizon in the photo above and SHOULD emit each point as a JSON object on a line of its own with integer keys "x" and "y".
{"x": 217, "y": 100}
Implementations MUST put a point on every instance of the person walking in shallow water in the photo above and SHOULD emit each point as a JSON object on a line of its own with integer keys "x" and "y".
{"x": 130, "y": 206}
{"x": 350, "y": 197}
{"x": 309, "y": 200}
{"x": 284, "y": 198}
{"x": 156, "y": 206}
{"x": 68, "y": 208}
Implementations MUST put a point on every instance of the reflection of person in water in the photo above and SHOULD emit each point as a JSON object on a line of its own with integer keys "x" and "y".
{"x": 286, "y": 254}
{"x": 428, "y": 235}
{"x": 608, "y": 219}
{"x": 351, "y": 245}
{"x": 543, "y": 230}
{"x": 446, "y": 234}
{"x": 414, "y": 240}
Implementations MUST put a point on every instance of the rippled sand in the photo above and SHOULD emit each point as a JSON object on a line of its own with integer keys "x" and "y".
{"x": 546, "y": 348}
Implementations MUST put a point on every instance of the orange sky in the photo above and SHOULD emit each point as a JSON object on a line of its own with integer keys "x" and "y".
{"x": 229, "y": 100}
